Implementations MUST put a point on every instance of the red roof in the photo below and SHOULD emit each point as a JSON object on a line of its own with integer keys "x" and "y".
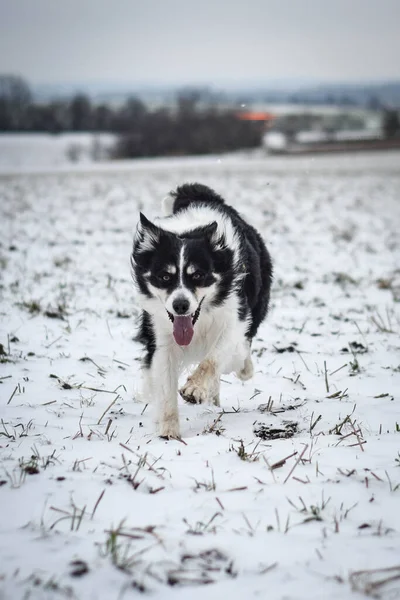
{"x": 255, "y": 116}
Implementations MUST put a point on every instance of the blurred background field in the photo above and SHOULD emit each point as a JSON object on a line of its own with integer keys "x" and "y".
{"x": 108, "y": 81}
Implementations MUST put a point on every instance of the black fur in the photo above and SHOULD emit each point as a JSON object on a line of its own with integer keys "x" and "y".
{"x": 256, "y": 260}
{"x": 146, "y": 337}
{"x": 194, "y": 192}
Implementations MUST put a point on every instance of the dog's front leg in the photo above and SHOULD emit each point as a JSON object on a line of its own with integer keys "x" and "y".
{"x": 164, "y": 380}
{"x": 228, "y": 354}
{"x": 203, "y": 385}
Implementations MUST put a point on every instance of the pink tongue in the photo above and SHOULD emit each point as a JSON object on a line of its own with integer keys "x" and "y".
{"x": 183, "y": 330}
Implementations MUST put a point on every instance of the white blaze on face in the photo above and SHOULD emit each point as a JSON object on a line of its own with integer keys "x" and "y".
{"x": 181, "y": 292}
{"x": 181, "y": 264}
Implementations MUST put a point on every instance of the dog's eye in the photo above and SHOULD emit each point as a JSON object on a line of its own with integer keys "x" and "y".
{"x": 197, "y": 275}
{"x": 165, "y": 276}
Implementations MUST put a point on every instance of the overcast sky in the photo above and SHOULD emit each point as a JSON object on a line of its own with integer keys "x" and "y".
{"x": 186, "y": 41}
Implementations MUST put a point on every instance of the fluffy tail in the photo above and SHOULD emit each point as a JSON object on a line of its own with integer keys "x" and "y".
{"x": 188, "y": 193}
{"x": 167, "y": 205}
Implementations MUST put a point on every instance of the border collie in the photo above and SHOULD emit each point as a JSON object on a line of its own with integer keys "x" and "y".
{"x": 203, "y": 276}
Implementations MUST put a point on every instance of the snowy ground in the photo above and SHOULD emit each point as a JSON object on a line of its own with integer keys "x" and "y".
{"x": 93, "y": 505}
{"x": 20, "y": 151}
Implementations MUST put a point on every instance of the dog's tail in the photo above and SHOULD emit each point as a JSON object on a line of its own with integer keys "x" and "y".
{"x": 187, "y": 194}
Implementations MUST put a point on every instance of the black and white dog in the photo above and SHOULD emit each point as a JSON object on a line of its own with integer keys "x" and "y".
{"x": 203, "y": 276}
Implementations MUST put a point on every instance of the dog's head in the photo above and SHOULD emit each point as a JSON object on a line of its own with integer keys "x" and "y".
{"x": 182, "y": 274}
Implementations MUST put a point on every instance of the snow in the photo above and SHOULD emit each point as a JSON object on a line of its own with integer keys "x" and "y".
{"x": 210, "y": 508}
{"x": 42, "y": 150}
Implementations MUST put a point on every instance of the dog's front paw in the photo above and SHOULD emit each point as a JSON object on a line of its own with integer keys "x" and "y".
{"x": 169, "y": 428}
{"x": 194, "y": 393}
{"x": 203, "y": 385}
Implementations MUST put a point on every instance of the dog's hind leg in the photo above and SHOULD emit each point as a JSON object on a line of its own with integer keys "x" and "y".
{"x": 214, "y": 391}
{"x": 215, "y": 397}
{"x": 247, "y": 371}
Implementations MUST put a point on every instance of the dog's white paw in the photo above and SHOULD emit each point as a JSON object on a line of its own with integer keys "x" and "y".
{"x": 194, "y": 393}
{"x": 169, "y": 428}
{"x": 203, "y": 385}
{"x": 247, "y": 372}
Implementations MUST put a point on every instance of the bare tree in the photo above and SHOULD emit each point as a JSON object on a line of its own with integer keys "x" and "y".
{"x": 81, "y": 113}
{"x": 15, "y": 99}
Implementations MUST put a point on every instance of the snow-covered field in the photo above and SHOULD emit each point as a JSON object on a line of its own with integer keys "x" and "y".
{"x": 93, "y": 505}
{"x": 20, "y": 151}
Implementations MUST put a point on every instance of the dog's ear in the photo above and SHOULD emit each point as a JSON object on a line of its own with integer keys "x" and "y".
{"x": 209, "y": 230}
{"x": 148, "y": 226}
{"x": 147, "y": 235}
{"x": 216, "y": 238}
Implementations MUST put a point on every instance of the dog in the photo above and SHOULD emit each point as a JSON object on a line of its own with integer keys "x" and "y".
{"x": 203, "y": 276}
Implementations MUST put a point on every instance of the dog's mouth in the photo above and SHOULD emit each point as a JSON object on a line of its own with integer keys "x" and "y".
{"x": 184, "y": 326}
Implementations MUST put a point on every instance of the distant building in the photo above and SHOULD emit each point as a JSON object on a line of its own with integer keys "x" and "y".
{"x": 256, "y": 115}
{"x": 297, "y": 128}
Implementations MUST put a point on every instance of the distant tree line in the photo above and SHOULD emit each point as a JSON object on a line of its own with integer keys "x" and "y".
{"x": 19, "y": 112}
{"x": 188, "y": 128}
{"x": 141, "y": 132}
{"x": 391, "y": 123}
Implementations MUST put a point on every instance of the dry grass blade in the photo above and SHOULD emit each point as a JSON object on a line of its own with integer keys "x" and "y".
{"x": 99, "y": 499}
{"x": 280, "y": 463}
{"x": 296, "y": 463}
{"x": 313, "y": 424}
{"x": 371, "y": 581}
{"x": 215, "y": 423}
{"x": 108, "y": 407}
{"x": 268, "y": 568}
{"x": 13, "y": 394}
{"x": 326, "y": 377}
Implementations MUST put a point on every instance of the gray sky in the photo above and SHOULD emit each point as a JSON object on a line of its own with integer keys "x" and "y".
{"x": 186, "y": 41}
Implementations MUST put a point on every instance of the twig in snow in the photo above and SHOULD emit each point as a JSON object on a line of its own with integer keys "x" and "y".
{"x": 99, "y": 499}
{"x": 326, "y": 378}
{"x": 296, "y": 463}
{"x": 108, "y": 408}
{"x": 13, "y": 394}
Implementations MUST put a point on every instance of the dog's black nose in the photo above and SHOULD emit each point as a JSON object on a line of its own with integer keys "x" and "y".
{"x": 180, "y": 306}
